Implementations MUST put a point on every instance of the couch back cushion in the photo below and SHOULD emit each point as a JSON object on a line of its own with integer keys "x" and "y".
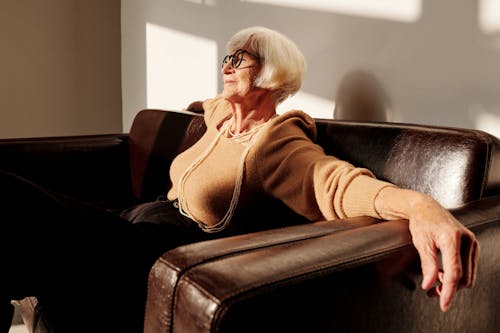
{"x": 453, "y": 165}
{"x": 155, "y": 139}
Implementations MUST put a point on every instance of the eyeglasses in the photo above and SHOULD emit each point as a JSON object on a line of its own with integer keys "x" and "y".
{"x": 237, "y": 58}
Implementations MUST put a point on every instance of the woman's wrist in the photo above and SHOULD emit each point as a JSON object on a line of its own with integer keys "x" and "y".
{"x": 396, "y": 203}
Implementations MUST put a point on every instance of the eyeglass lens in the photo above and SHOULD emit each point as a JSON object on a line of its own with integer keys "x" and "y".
{"x": 236, "y": 59}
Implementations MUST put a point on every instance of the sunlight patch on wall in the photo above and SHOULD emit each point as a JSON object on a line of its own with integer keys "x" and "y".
{"x": 395, "y": 10}
{"x": 203, "y": 2}
{"x": 316, "y": 107}
{"x": 485, "y": 121}
{"x": 181, "y": 68}
{"x": 489, "y": 16}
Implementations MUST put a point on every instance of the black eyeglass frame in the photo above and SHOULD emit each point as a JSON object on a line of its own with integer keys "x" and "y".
{"x": 237, "y": 58}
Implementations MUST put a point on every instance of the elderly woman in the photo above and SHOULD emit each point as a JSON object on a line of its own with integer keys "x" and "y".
{"x": 254, "y": 158}
{"x": 256, "y": 152}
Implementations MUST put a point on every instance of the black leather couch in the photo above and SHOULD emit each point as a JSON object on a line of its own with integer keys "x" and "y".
{"x": 350, "y": 275}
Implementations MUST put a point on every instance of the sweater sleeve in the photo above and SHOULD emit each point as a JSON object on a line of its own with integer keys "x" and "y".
{"x": 297, "y": 171}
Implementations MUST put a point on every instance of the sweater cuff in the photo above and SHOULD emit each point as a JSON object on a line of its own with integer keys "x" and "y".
{"x": 359, "y": 197}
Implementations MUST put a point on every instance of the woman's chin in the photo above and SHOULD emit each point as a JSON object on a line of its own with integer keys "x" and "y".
{"x": 232, "y": 95}
{"x": 227, "y": 93}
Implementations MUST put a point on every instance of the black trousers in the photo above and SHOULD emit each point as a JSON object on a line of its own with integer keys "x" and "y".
{"x": 88, "y": 267}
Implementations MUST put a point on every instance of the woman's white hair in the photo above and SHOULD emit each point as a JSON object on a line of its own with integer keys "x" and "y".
{"x": 283, "y": 65}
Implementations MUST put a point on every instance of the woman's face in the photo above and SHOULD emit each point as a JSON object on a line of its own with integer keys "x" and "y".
{"x": 239, "y": 71}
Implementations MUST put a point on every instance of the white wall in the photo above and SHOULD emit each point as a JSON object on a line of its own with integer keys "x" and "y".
{"x": 439, "y": 60}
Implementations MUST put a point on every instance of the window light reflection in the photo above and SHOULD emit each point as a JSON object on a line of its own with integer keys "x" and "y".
{"x": 489, "y": 16}
{"x": 176, "y": 62}
{"x": 396, "y": 10}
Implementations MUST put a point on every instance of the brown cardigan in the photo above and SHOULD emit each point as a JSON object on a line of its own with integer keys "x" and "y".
{"x": 283, "y": 162}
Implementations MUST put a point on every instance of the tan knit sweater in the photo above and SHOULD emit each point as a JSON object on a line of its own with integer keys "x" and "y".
{"x": 283, "y": 162}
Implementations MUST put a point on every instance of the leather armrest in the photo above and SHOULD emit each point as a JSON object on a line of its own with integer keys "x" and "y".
{"x": 92, "y": 167}
{"x": 170, "y": 268}
{"x": 314, "y": 277}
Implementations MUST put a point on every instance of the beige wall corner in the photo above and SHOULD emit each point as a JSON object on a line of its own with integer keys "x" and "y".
{"x": 61, "y": 67}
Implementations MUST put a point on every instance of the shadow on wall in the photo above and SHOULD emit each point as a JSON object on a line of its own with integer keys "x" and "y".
{"x": 361, "y": 96}
{"x": 434, "y": 69}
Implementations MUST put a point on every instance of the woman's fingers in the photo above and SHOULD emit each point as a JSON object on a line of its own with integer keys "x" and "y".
{"x": 447, "y": 279}
{"x": 449, "y": 245}
{"x": 428, "y": 262}
{"x": 469, "y": 253}
{"x": 459, "y": 255}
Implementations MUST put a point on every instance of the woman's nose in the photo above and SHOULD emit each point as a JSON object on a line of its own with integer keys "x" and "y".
{"x": 227, "y": 68}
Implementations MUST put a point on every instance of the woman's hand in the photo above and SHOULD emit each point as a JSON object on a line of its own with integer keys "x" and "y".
{"x": 434, "y": 231}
